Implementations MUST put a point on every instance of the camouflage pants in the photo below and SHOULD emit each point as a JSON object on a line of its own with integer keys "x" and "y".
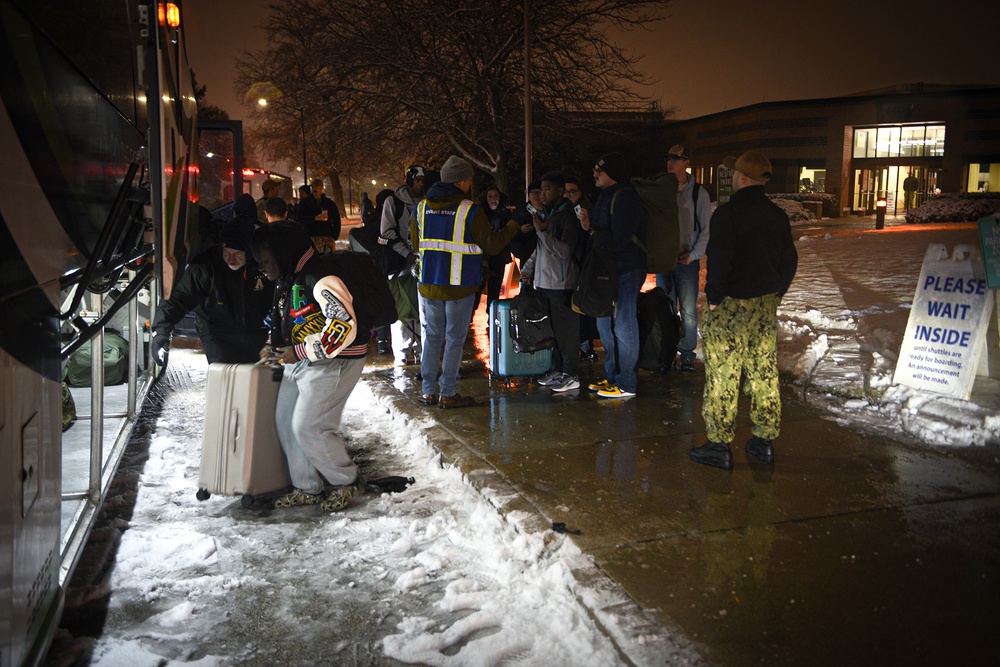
{"x": 739, "y": 337}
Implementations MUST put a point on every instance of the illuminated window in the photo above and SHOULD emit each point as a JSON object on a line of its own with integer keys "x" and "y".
{"x": 899, "y": 141}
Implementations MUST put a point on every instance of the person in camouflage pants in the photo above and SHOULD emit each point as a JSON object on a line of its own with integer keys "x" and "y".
{"x": 751, "y": 264}
{"x": 740, "y": 336}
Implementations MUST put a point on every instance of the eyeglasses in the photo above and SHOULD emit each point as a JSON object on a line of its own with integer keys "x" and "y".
{"x": 598, "y": 170}
{"x": 572, "y": 192}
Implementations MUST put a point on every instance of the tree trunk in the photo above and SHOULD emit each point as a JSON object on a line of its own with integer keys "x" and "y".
{"x": 337, "y": 193}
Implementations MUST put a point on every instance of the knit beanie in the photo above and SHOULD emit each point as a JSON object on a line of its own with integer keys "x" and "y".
{"x": 237, "y": 234}
{"x": 613, "y": 165}
{"x": 456, "y": 170}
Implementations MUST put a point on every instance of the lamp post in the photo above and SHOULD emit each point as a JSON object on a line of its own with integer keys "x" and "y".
{"x": 302, "y": 122}
{"x": 880, "y": 205}
{"x": 527, "y": 98}
{"x": 264, "y": 90}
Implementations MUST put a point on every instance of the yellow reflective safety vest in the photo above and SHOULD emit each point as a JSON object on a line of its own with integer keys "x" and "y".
{"x": 448, "y": 255}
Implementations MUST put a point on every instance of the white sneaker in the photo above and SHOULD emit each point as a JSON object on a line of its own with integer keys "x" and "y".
{"x": 565, "y": 383}
{"x": 548, "y": 378}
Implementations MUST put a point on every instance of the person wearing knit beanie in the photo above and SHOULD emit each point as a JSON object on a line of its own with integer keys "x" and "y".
{"x": 236, "y": 237}
{"x": 230, "y": 297}
{"x": 618, "y": 224}
{"x": 456, "y": 170}
{"x": 451, "y": 234}
{"x": 613, "y": 164}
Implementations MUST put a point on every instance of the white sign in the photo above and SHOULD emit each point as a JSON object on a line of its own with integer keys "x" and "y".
{"x": 724, "y": 184}
{"x": 946, "y": 331}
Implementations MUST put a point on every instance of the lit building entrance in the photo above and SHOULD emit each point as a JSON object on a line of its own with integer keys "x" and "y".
{"x": 869, "y": 185}
{"x": 885, "y": 156}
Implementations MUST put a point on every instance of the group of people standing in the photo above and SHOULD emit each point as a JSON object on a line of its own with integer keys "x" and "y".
{"x": 265, "y": 291}
{"x": 751, "y": 261}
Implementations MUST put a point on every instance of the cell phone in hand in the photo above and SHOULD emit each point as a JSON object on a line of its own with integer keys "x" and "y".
{"x": 532, "y": 209}
{"x": 578, "y": 208}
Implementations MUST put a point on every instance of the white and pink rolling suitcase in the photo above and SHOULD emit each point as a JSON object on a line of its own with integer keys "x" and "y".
{"x": 240, "y": 451}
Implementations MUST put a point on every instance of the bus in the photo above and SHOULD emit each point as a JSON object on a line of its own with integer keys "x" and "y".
{"x": 99, "y": 187}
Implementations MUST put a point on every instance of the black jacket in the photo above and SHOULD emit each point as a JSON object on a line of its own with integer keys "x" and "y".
{"x": 498, "y": 220}
{"x": 750, "y": 252}
{"x": 296, "y": 316}
{"x": 331, "y": 227}
{"x": 524, "y": 243}
{"x": 618, "y": 216}
{"x": 229, "y": 306}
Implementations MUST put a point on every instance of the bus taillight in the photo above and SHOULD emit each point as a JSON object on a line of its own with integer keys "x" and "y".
{"x": 168, "y": 14}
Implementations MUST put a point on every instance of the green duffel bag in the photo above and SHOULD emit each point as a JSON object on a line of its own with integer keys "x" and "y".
{"x": 115, "y": 362}
{"x": 68, "y": 407}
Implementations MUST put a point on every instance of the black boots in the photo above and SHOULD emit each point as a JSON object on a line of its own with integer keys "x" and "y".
{"x": 715, "y": 454}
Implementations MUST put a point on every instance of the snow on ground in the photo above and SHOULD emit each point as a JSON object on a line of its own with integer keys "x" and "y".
{"x": 436, "y": 575}
{"x": 842, "y": 324}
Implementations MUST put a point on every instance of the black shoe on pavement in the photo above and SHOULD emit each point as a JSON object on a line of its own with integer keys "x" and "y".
{"x": 715, "y": 454}
{"x": 687, "y": 366}
{"x": 383, "y": 347}
{"x": 429, "y": 399}
{"x": 760, "y": 449}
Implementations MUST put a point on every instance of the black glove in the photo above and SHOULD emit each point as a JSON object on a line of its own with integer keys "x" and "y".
{"x": 160, "y": 348}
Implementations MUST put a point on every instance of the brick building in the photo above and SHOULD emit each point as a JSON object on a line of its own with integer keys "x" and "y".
{"x": 860, "y": 147}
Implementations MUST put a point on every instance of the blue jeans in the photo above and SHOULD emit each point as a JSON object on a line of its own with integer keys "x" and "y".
{"x": 443, "y": 323}
{"x": 620, "y": 334}
{"x": 681, "y": 284}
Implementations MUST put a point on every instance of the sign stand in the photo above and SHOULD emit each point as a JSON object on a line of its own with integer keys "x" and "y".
{"x": 946, "y": 332}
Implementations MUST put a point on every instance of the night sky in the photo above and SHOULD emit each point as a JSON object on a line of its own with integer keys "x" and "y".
{"x": 709, "y": 56}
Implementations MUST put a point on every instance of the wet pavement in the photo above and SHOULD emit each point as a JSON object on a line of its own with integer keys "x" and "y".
{"x": 851, "y": 549}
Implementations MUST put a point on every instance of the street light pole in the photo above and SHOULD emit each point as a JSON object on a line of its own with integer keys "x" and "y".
{"x": 305, "y": 171}
{"x": 527, "y": 100}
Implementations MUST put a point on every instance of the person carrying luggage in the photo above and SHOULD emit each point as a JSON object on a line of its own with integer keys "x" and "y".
{"x": 230, "y": 297}
{"x": 317, "y": 335}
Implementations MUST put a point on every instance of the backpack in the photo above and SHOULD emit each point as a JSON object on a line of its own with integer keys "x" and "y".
{"x": 388, "y": 260}
{"x": 530, "y": 325}
{"x": 659, "y": 330}
{"x": 374, "y": 304}
{"x": 597, "y": 290}
{"x": 659, "y": 197}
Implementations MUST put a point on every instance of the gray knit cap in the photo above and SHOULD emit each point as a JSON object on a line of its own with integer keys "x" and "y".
{"x": 456, "y": 170}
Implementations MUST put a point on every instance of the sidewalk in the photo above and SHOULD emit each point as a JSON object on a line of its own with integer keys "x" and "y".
{"x": 851, "y": 549}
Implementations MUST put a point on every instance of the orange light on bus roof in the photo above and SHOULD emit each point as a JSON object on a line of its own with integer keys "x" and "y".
{"x": 168, "y": 14}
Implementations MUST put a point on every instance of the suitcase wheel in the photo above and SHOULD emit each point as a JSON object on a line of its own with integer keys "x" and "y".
{"x": 203, "y": 494}
{"x": 247, "y": 501}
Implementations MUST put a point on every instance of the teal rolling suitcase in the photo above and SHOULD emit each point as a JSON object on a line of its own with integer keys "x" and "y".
{"x": 504, "y": 361}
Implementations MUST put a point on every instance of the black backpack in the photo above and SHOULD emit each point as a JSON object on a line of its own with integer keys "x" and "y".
{"x": 659, "y": 330}
{"x": 374, "y": 304}
{"x": 388, "y": 260}
{"x": 597, "y": 290}
{"x": 530, "y": 325}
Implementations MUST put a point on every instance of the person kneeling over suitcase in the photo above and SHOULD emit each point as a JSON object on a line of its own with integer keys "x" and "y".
{"x": 316, "y": 335}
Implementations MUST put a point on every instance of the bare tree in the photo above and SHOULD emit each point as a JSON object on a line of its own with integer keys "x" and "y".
{"x": 381, "y": 82}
